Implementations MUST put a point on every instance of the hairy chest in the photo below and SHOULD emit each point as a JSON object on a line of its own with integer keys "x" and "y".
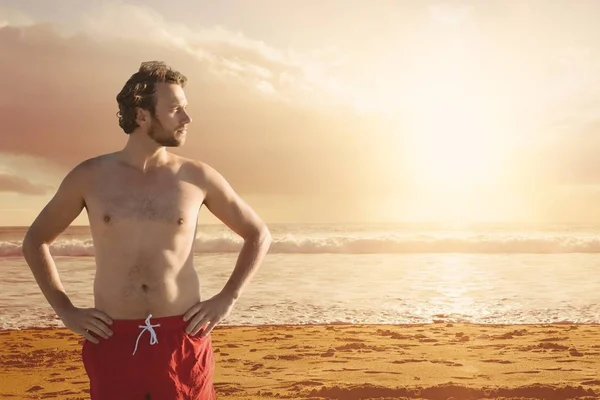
{"x": 162, "y": 199}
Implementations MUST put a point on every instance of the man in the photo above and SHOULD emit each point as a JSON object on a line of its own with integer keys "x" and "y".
{"x": 148, "y": 335}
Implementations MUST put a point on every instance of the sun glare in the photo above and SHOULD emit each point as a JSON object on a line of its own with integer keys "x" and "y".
{"x": 453, "y": 133}
{"x": 455, "y": 140}
{"x": 451, "y": 147}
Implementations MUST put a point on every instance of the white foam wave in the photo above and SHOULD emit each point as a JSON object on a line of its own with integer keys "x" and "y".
{"x": 293, "y": 313}
{"x": 72, "y": 248}
{"x": 304, "y": 244}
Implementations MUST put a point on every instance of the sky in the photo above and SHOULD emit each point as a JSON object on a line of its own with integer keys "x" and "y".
{"x": 322, "y": 111}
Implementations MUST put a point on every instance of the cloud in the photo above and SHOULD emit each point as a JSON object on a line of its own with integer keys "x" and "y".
{"x": 225, "y": 54}
{"x": 260, "y": 115}
{"x": 273, "y": 121}
{"x": 15, "y": 184}
{"x": 12, "y": 17}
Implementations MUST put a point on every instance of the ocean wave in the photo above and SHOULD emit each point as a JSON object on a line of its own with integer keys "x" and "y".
{"x": 295, "y": 313}
{"x": 487, "y": 244}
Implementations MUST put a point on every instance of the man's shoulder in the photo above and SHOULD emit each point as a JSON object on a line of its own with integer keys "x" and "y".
{"x": 96, "y": 161}
{"x": 86, "y": 167}
{"x": 202, "y": 174}
{"x": 198, "y": 167}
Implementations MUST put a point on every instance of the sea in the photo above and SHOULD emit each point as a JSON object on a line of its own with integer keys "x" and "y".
{"x": 358, "y": 274}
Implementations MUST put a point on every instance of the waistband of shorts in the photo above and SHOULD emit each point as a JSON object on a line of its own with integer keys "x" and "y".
{"x": 173, "y": 323}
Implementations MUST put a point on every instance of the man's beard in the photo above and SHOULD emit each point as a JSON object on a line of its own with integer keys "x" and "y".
{"x": 160, "y": 136}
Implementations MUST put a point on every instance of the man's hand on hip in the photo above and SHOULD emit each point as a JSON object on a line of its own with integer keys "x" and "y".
{"x": 211, "y": 312}
{"x": 86, "y": 321}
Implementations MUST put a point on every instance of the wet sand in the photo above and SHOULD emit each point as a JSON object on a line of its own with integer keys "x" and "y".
{"x": 438, "y": 361}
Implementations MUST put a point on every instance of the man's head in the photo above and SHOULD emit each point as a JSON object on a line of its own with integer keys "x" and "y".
{"x": 153, "y": 103}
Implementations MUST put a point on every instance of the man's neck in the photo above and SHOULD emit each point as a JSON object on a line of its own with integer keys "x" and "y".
{"x": 143, "y": 153}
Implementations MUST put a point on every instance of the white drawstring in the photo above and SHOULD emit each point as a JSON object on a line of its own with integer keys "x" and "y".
{"x": 150, "y": 328}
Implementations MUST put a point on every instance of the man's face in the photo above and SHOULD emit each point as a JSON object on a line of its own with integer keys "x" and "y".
{"x": 169, "y": 124}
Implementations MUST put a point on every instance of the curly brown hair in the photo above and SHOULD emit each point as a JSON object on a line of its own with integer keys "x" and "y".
{"x": 139, "y": 91}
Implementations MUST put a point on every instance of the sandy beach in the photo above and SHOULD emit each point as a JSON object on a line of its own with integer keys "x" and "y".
{"x": 434, "y": 361}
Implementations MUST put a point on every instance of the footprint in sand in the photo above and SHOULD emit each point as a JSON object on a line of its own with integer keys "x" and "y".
{"x": 352, "y": 346}
{"x": 446, "y": 362}
{"x": 309, "y": 383}
{"x": 553, "y": 339}
{"x": 383, "y": 372}
{"x": 328, "y": 353}
{"x": 349, "y": 339}
{"x": 226, "y": 389}
{"x": 394, "y": 335}
{"x": 55, "y": 395}
{"x": 594, "y": 382}
{"x": 551, "y": 346}
{"x": 494, "y": 360}
{"x": 460, "y": 337}
{"x": 521, "y": 372}
{"x": 511, "y": 335}
{"x": 407, "y": 361}
{"x": 573, "y": 351}
{"x": 294, "y": 346}
{"x": 288, "y": 357}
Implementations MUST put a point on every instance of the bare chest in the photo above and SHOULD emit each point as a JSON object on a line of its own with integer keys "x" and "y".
{"x": 119, "y": 199}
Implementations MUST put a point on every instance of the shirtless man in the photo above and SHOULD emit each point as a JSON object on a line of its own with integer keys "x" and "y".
{"x": 148, "y": 334}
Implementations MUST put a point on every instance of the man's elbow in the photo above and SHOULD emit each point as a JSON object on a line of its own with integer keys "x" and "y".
{"x": 32, "y": 242}
{"x": 260, "y": 235}
{"x": 28, "y": 242}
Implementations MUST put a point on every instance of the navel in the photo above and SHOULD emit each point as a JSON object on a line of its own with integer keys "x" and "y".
{"x": 180, "y": 221}
{"x": 107, "y": 218}
{"x": 145, "y": 288}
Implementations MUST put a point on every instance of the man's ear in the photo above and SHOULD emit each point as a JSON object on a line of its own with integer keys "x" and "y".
{"x": 141, "y": 116}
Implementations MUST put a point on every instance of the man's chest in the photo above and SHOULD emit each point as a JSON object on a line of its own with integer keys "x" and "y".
{"x": 169, "y": 201}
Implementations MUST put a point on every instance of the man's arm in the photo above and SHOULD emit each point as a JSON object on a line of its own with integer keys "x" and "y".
{"x": 56, "y": 216}
{"x": 225, "y": 204}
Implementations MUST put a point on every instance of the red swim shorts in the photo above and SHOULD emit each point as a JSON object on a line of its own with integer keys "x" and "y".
{"x": 152, "y": 359}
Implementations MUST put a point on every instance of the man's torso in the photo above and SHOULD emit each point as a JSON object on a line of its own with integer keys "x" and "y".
{"x": 143, "y": 226}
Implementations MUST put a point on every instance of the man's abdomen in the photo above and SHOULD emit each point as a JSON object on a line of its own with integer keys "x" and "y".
{"x": 135, "y": 291}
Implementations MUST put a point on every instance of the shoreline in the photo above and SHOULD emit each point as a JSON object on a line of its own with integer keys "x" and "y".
{"x": 345, "y": 361}
{"x": 365, "y": 325}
